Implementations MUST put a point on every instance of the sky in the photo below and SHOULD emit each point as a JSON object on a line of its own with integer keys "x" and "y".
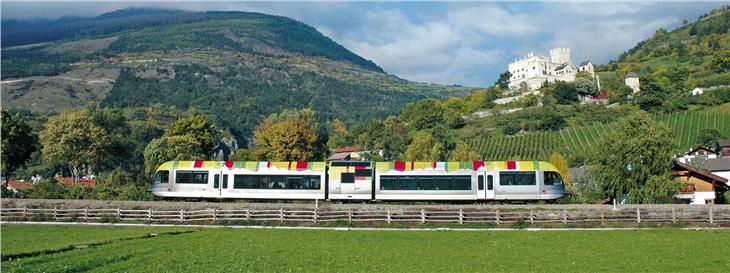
{"x": 465, "y": 43}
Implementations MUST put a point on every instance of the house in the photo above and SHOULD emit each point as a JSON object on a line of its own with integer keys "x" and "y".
{"x": 699, "y": 186}
{"x": 587, "y": 66}
{"x": 532, "y": 71}
{"x": 723, "y": 147}
{"x": 68, "y": 181}
{"x": 347, "y": 153}
{"x": 719, "y": 167}
{"x": 697, "y": 155}
{"x": 18, "y": 185}
{"x": 632, "y": 81}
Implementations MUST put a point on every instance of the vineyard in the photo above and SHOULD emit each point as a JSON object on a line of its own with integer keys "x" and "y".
{"x": 579, "y": 140}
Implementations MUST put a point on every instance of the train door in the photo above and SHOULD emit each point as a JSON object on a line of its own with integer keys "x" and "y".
{"x": 485, "y": 185}
{"x": 220, "y": 184}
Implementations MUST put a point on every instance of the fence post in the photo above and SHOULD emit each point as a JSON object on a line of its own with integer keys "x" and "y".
{"x": 119, "y": 214}
{"x": 565, "y": 216}
{"x": 461, "y": 216}
{"x": 86, "y": 214}
{"x": 711, "y": 215}
{"x": 349, "y": 216}
{"x": 638, "y": 216}
{"x": 423, "y": 216}
{"x": 316, "y": 215}
{"x": 182, "y": 216}
{"x": 496, "y": 217}
{"x": 215, "y": 214}
{"x": 25, "y": 212}
{"x": 281, "y": 215}
{"x": 388, "y": 212}
{"x": 603, "y": 216}
{"x": 149, "y": 214}
{"x": 55, "y": 213}
{"x": 532, "y": 217}
{"x": 674, "y": 215}
{"x": 248, "y": 214}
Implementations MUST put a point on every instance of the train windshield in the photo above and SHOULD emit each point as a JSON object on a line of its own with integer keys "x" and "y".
{"x": 553, "y": 179}
{"x": 162, "y": 177}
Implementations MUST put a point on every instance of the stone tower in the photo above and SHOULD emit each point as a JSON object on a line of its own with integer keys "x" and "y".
{"x": 560, "y": 55}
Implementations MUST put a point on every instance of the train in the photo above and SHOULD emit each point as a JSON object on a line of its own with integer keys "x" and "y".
{"x": 359, "y": 180}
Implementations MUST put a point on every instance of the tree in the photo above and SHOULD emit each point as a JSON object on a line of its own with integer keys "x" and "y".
{"x": 708, "y": 137}
{"x": 634, "y": 159}
{"x": 18, "y": 142}
{"x": 198, "y": 127}
{"x": 651, "y": 96}
{"x": 386, "y": 140}
{"x": 339, "y": 136}
{"x": 169, "y": 148}
{"x": 290, "y": 136}
{"x": 562, "y": 165}
{"x": 584, "y": 75}
{"x": 463, "y": 153}
{"x": 503, "y": 80}
{"x": 721, "y": 62}
{"x": 565, "y": 93}
{"x": 424, "y": 148}
{"x": 73, "y": 138}
{"x": 585, "y": 87}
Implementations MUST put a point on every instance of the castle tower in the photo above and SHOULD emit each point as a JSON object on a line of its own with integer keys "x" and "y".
{"x": 560, "y": 55}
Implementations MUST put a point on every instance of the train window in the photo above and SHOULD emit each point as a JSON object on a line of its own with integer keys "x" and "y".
{"x": 364, "y": 172}
{"x": 517, "y": 179}
{"x": 277, "y": 182}
{"x": 162, "y": 177}
{"x": 311, "y": 182}
{"x": 191, "y": 177}
{"x": 490, "y": 183}
{"x": 425, "y": 183}
{"x": 388, "y": 183}
{"x": 407, "y": 183}
{"x": 553, "y": 179}
{"x": 225, "y": 181}
{"x": 216, "y": 180}
{"x": 299, "y": 182}
{"x": 444, "y": 183}
{"x": 241, "y": 181}
{"x": 480, "y": 186}
{"x": 347, "y": 178}
{"x": 462, "y": 182}
{"x": 294, "y": 182}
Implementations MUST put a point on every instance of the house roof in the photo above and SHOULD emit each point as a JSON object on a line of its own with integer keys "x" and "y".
{"x": 19, "y": 185}
{"x": 697, "y": 149}
{"x": 723, "y": 142}
{"x": 339, "y": 156}
{"x": 632, "y": 75}
{"x": 718, "y": 164}
{"x": 349, "y": 149}
{"x": 68, "y": 181}
{"x": 561, "y": 67}
{"x": 722, "y": 182}
{"x": 585, "y": 63}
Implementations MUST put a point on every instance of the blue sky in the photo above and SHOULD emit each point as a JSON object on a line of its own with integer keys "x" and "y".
{"x": 467, "y": 43}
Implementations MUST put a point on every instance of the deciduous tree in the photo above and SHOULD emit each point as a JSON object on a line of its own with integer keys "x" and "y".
{"x": 562, "y": 165}
{"x": 166, "y": 148}
{"x": 424, "y": 148}
{"x": 463, "y": 152}
{"x": 290, "y": 136}
{"x": 18, "y": 142}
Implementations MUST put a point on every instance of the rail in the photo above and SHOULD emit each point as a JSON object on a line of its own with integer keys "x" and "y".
{"x": 665, "y": 214}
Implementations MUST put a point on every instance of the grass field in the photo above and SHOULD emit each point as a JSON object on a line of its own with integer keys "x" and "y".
{"x": 581, "y": 139}
{"x": 268, "y": 250}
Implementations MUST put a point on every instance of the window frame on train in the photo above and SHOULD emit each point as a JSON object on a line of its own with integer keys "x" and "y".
{"x": 162, "y": 174}
{"x": 245, "y": 182}
{"x": 517, "y": 181}
{"x": 552, "y": 183}
{"x": 192, "y": 181}
{"x": 425, "y": 183}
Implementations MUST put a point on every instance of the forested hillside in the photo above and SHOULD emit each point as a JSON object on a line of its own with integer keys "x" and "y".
{"x": 238, "y": 67}
{"x": 696, "y": 54}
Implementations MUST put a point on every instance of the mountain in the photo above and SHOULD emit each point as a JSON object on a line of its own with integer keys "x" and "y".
{"x": 236, "y": 66}
{"x": 693, "y": 55}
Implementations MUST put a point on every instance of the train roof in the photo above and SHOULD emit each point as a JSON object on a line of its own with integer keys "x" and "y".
{"x": 447, "y": 166}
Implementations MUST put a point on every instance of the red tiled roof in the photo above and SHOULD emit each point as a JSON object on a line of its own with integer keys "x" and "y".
{"x": 20, "y": 185}
{"x": 68, "y": 181}
{"x": 349, "y": 149}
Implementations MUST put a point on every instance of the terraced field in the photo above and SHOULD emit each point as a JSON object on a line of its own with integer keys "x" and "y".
{"x": 582, "y": 139}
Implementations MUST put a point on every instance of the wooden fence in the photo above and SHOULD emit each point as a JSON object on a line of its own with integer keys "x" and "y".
{"x": 663, "y": 214}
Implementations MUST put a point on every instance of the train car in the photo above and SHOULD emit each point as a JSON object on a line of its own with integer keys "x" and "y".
{"x": 247, "y": 180}
{"x": 360, "y": 180}
{"x": 476, "y": 180}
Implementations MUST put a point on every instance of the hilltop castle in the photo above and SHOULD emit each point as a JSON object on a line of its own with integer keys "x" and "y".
{"x": 531, "y": 72}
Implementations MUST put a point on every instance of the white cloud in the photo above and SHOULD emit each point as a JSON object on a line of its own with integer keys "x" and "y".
{"x": 493, "y": 21}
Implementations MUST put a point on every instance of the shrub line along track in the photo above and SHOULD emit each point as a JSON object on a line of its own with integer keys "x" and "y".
{"x": 326, "y": 228}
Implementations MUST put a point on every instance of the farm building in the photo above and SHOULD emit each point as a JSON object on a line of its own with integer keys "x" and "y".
{"x": 698, "y": 186}
{"x": 699, "y": 153}
{"x": 18, "y": 185}
{"x": 347, "y": 153}
{"x": 68, "y": 181}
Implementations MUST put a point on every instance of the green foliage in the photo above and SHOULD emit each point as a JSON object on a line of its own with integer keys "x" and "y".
{"x": 424, "y": 148}
{"x": 200, "y": 128}
{"x": 463, "y": 152}
{"x": 73, "y": 138}
{"x": 390, "y": 136}
{"x": 18, "y": 142}
{"x": 290, "y": 136}
{"x": 36, "y": 61}
{"x": 339, "y": 136}
{"x": 635, "y": 159}
{"x": 503, "y": 80}
{"x": 168, "y": 148}
{"x": 430, "y": 113}
{"x": 651, "y": 96}
{"x": 708, "y": 137}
